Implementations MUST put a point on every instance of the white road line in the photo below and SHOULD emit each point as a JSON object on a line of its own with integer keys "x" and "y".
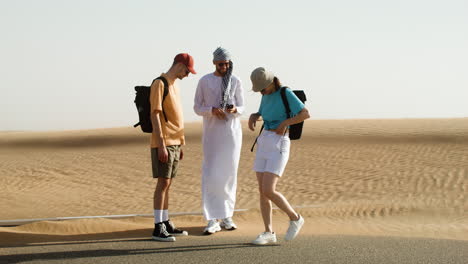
{"x": 17, "y": 222}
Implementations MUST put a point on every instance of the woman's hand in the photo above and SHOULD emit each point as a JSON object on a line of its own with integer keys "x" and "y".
{"x": 281, "y": 129}
{"x": 253, "y": 120}
{"x": 301, "y": 116}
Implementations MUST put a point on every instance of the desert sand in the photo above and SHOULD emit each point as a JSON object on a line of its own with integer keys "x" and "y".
{"x": 374, "y": 178}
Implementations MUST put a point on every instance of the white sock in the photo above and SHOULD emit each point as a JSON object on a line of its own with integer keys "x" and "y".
{"x": 165, "y": 215}
{"x": 158, "y": 216}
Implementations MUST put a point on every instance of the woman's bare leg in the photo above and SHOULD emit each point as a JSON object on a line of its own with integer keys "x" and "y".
{"x": 268, "y": 189}
{"x": 265, "y": 205}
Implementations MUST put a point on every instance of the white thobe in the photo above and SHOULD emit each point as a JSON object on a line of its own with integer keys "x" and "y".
{"x": 222, "y": 141}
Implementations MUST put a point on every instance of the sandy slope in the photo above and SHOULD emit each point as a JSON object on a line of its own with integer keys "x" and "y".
{"x": 358, "y": 177}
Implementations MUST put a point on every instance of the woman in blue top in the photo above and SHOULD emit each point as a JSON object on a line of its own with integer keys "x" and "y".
{"x": 273, "y": 150}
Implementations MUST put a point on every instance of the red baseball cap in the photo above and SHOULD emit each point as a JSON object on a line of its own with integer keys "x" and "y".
{"x": 187, "y": 60}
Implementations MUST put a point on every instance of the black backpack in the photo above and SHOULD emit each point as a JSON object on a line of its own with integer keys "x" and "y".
{"x": 142, "y": 102}
{"x": 295, "y": 131}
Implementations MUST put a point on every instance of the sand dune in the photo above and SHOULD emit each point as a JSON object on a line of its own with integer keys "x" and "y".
{"x": 360, "y": 177}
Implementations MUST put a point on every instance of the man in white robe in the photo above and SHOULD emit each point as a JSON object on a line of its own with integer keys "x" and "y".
{"x": 219, "y": 99}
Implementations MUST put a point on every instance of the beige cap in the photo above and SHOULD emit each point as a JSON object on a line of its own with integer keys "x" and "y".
{"x": 261, "y": 78}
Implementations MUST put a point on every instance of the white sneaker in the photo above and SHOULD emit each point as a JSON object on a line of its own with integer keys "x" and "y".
{"x": 228, "y": 224}
{"x": 294, "y": 227}
{"x": 212, "y": 227}
{"x": 265, "y": 238}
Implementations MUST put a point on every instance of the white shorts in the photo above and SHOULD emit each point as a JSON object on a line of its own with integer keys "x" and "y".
{"x": 272, "y": 153}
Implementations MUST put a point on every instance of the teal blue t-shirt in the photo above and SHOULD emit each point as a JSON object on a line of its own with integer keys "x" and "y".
{"x": 273, "y": 111}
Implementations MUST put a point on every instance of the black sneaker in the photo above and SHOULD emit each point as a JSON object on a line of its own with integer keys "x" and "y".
{"x": 160, "y": 233}
{"x": 171, "y": 229}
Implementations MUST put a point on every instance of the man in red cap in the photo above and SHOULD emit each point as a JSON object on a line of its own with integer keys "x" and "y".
{"x": 166, "y": 141}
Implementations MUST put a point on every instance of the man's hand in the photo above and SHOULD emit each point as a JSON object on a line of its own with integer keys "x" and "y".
{"x": 281, "y": 128}
{"x": 232, "y": 110}
{"x": 219, "y": 113}
{"x": 181, "y": 154}
{"x": 162, "y": 154}
{"x": 253, "y": 120}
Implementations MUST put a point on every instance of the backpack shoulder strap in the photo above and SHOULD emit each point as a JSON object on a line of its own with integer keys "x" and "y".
{"x": 166, "y": 86}
{"x": 285, "y": 101}
{"x": 261, "y": 129}
{"x": 166, "y": 91}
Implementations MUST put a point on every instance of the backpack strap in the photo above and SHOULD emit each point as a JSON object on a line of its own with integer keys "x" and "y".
{"x": 261, "y": 129}
{"x": 286, "y": 104}
{"x": 166, "y": 91}
{"x": 285, "y": 101}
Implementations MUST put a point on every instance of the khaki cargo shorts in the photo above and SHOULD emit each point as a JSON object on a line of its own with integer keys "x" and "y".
{"x": 166, "y": 170}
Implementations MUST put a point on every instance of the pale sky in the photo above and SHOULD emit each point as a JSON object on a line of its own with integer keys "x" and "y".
{"x": 74, "y": 64}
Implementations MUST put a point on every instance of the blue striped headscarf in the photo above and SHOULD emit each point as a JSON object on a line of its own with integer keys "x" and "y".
{"x": 221, "y": 54}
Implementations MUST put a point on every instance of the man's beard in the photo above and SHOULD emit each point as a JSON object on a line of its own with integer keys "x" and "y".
{"x": 221, "y": 73}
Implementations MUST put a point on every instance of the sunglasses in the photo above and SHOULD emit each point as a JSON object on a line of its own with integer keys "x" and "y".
{"x": 221, "y": 64}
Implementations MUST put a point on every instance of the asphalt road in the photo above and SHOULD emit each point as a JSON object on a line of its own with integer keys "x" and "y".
{"x": 219, "y": 249}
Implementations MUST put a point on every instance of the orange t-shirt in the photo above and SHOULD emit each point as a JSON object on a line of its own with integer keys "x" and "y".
{"x": 173, "y": 129}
